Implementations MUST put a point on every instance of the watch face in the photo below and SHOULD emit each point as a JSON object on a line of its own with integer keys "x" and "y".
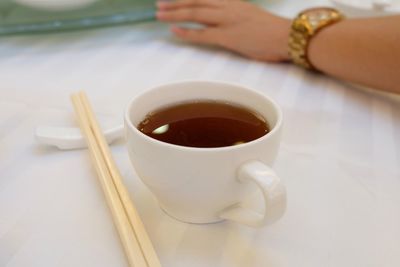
{"x": 319, "y": 10}
{"x": 316, "y": 16}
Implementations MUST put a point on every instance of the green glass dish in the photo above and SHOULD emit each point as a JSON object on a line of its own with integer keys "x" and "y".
{"x": 30, "y": 16}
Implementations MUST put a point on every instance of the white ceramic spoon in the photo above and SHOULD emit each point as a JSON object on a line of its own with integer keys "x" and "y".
{"x": 367, "y": 8}
{"x": 66, "y": 138}
{"x": 381, "y": 4}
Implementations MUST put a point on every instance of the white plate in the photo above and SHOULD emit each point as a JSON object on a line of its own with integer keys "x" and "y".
{"x": 55, "y": 5}
{"x": 367, "y": 8}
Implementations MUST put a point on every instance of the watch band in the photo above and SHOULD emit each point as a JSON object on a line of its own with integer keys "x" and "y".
{"x": 304, "y": 27}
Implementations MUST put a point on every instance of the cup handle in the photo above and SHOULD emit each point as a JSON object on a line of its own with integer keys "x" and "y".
{"x": 272, "y": 189}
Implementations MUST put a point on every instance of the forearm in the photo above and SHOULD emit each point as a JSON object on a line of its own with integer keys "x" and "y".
{"x": 363, "y": 51}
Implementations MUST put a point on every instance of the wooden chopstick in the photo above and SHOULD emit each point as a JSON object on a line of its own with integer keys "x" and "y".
{"x": 136, "y": 243}
{"x": 133, "y": 216}
{"x": 127, "y": 236}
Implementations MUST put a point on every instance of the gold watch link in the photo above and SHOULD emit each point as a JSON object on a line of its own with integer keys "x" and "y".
{"x": 304, "y": 27}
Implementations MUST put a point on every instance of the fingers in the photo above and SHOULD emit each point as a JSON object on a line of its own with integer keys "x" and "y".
{"x": 208, "y": 12}
{"x": 200, "y": 15}
{"x": 203, "y": 36}
{"x": 168, "y": 5}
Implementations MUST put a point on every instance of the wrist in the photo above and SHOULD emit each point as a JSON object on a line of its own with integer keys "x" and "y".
{"x": 272, "y": 38}
{"x": 283, "y": 39}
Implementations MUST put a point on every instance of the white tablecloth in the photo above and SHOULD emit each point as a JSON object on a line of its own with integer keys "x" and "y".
{"x": 340, "y": 157}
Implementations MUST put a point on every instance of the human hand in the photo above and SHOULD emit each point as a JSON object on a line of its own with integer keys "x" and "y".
{"x": 232, "y": 24}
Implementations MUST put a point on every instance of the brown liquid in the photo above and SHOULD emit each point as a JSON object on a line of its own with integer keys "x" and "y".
{"x": 204, "y": 124}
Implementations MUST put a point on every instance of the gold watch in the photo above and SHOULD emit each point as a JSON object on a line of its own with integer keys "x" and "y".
{"x": 306, "y": 25}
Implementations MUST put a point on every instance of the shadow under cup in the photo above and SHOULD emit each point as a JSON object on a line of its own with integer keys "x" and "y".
{"x": 195, "y": 184}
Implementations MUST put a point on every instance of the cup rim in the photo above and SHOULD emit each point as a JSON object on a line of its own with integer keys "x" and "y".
{"x": 128, "y": 123}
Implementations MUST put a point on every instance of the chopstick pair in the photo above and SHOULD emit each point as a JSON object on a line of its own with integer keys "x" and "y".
{"x": 137, "y": 245}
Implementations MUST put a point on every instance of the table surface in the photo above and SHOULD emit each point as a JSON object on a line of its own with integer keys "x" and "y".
{"x": 340, "y": 157}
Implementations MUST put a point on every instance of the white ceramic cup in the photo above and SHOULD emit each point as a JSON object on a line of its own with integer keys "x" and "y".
{"x": 205, "y": 185}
